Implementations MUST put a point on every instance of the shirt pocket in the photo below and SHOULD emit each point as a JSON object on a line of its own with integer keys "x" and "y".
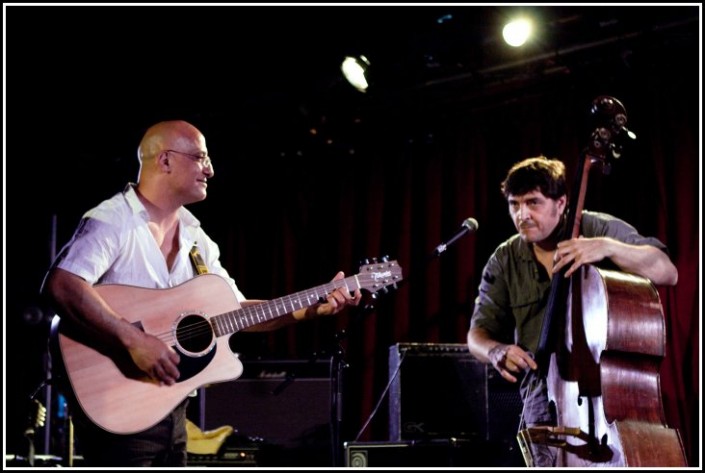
{"x": 528, "y": 316}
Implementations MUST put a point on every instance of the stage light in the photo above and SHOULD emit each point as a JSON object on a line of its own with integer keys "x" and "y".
{"x": 355, "y": 71}
{"x": 517, "y": 32}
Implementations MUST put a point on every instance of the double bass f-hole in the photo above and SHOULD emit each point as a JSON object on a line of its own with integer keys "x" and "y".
{"x": 601, "y": 345}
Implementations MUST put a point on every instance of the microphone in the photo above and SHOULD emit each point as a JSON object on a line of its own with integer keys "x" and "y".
{"x": 469, "y": 225}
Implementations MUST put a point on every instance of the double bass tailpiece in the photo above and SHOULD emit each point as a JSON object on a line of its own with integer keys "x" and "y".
{"x": 555, "y": 436}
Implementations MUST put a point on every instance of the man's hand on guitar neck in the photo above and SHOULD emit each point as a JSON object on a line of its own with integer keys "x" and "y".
{"x": 336, "y": 301}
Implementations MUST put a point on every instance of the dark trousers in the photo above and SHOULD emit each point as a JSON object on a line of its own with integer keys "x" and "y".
{"x": 538, "y": 411}
{"x": 163, "y": 445}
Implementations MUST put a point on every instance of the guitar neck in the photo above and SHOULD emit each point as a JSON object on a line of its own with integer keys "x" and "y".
{"x": 240, "y": 319}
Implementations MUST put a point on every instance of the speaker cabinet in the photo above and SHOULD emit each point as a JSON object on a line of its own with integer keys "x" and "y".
{"x": 437, "y": 453}
{"x": 440, "y": 391}
{"x": 284, "y": 405}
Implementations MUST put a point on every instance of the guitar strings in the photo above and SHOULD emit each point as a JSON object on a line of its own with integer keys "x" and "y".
{"x": 245, "y": 317}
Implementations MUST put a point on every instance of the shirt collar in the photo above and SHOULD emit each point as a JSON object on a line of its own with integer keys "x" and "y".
{"x": 524, "y": 250}
{"x": 185, "y": 216}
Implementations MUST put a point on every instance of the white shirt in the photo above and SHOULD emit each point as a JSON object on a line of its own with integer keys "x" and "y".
{"x": 113, "y": 245}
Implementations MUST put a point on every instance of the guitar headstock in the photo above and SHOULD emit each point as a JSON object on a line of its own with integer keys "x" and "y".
{"x": 376, "y": 276}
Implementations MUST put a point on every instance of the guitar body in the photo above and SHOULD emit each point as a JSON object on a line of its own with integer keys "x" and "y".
{"x": 112, "y": 391}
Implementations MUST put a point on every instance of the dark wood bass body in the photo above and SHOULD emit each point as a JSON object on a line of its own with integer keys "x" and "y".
{"x": 604, "y": 376}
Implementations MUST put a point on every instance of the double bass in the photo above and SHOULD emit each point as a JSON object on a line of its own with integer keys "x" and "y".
{"x": 601, "y": 346}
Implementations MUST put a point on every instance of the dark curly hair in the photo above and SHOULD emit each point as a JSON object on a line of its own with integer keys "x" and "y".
{"x": 540, "y": 172}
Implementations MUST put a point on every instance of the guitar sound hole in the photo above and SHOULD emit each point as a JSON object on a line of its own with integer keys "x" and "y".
{"x": 194, "y": 334}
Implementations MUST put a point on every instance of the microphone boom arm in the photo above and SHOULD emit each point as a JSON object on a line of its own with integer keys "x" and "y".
{"x": 469, "y": 225}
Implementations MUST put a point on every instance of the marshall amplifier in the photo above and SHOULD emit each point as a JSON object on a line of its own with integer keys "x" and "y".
{"x": 282, "y": 405}
{"x": 440, "y": 391}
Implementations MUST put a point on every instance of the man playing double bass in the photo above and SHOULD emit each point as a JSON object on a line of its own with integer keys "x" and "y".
{"x": 507, "y": 321}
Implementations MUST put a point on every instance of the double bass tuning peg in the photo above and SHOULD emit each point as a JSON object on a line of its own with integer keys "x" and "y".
{"x": 611, "y": 133}
{"x": 609, "y": 112}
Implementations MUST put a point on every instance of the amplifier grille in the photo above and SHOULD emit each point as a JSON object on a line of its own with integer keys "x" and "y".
{"x": 440, "y": 391}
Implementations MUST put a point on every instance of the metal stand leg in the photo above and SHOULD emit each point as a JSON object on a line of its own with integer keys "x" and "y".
{"x": 338, "y": 364}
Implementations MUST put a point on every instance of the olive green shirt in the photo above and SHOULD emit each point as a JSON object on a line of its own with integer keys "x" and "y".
{"x": 515, "y": 288}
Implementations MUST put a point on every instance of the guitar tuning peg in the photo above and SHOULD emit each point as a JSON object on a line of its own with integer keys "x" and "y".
{"x": 364, "y": 262}
{"x": 385, "y": 258}
{"x": 374, "y": 260}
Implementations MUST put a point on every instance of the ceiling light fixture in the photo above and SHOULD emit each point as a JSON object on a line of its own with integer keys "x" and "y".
{"x": 517, "y": 32}
{"x": 355, "y": 71}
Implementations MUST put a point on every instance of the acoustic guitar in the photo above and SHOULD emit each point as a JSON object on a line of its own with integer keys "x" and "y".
{"x": 196, "y": 319}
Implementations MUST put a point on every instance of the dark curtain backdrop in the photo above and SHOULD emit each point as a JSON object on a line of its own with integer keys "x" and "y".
{"x": 411, "y": 182}
{"x": 398, "y": 177}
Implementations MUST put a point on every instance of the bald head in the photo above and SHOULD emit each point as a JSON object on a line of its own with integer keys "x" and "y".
{"x": 173, "y": 134}
{"x": 165, "y": 135}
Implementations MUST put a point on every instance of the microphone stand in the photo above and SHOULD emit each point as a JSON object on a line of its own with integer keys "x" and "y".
{"x": 469, "y": 225}
{"x": 337, "y": 366}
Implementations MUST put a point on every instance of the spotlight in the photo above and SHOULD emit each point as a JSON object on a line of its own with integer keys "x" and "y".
{"x": 355, "y": 71}
{"x": 516, "y": 32}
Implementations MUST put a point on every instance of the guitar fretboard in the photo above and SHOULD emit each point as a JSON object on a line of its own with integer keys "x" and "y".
{"x": 240, "y": 319}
